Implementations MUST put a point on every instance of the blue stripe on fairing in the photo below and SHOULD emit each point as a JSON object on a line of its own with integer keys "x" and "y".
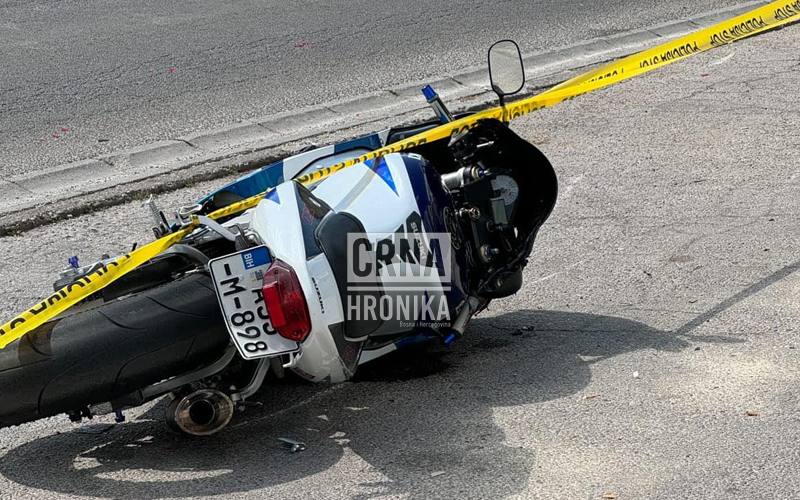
{"x": 372, "y": 142}
{"x": 272, "y": 175}
{"x": 273, "y": 196}
{"x": 431, "y": 199}
{"x": 253, "y": 183}
{"x": 382, "y": 169}
{"x": 425, "y": 336}
{"x": 415, "y": 168}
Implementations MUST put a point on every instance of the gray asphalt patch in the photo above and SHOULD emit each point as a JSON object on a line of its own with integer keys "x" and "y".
{"x": 129, "y": 74}
{"x": 466, "y": 90}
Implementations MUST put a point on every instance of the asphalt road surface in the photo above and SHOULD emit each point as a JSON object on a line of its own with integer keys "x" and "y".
{"x": 660, "y": 307}
{"x": 81, "y": 78}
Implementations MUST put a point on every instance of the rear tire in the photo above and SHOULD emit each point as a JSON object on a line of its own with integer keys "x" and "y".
{"x": 104, "y": 353}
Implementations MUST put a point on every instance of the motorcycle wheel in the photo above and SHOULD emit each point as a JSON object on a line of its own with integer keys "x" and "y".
{"x": 106, "y": 352}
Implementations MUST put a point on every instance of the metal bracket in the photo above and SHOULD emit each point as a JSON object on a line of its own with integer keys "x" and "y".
{"x": 294, "y": 359}
{"x": 215, "y": 226}
{"x": 185, "y": 213}
{"x": 261, "y": 372}
{"x": 255, "y": 383}
{"x": 181, "y": 380}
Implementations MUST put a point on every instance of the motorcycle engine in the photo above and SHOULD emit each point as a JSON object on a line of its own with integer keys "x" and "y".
{"x": 503, "y": 190}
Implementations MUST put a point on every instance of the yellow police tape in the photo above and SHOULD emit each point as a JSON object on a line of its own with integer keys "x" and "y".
{"x": 756, "y": 21}
{"x": 751, "y": 23}
{"x": 70, "y": 295}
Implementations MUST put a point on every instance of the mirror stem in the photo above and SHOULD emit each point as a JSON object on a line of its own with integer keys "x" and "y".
{"x": 506, "y": 119}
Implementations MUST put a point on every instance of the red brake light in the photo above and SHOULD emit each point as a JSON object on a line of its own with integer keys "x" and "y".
{"x": 286, "y": 304}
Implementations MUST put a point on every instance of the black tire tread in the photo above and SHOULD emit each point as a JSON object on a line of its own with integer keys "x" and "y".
{"x": 106, "y": 352}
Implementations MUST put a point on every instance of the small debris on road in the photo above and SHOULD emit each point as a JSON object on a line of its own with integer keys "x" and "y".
{"x": 752, "y": 413}
{"x": 172, "y": 70}
{"x": 65, "y": 129}
{"x": 724, "y": 59}
{"x": 591, "y": 396}
{"x": 94, "y": 428}
{"x": 635, "y": 374}
{"x": 292, "y": 445}
{"x": 519, "y": 331}
{"x": 301, "y": 44}
{"x": 438, "y": 473}
{"x": 610, "y": 496}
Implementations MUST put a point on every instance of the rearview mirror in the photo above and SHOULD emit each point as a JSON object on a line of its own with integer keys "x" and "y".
{"x": 506, "y": 73}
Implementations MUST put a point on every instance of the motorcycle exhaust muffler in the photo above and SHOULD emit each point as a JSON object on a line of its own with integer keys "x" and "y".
{"x": 200, "y": 413}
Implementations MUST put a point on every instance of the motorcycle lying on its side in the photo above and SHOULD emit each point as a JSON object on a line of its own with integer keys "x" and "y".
{"x": 315, "y": 279}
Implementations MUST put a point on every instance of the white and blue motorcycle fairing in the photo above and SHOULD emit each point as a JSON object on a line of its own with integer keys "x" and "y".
{"x": 376, "y": 198}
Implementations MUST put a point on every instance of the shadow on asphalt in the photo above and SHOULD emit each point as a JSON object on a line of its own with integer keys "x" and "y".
{"x": 406, "y": 415}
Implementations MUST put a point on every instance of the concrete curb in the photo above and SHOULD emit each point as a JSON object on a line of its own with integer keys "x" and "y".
{"x": 24, "y": 199}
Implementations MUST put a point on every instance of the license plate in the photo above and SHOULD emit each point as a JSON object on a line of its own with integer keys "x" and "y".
{"x": 238, "y": 280}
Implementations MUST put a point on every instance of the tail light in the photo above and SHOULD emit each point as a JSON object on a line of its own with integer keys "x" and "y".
{"x": 286, "y": 304}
